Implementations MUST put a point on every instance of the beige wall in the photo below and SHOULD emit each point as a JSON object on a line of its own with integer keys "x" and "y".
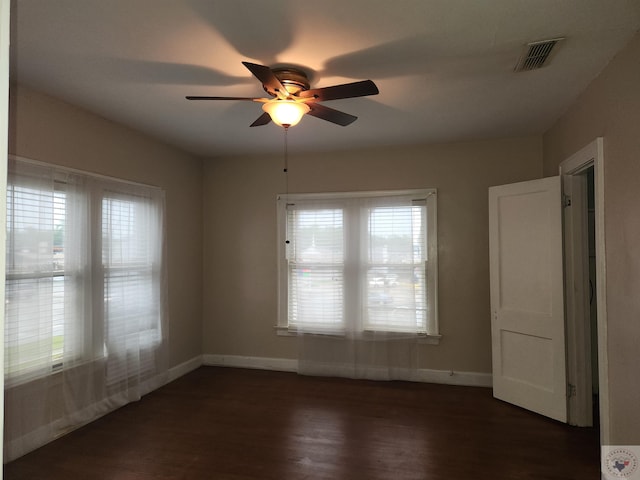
{"x": 610, "y": 108}
{"x": 46, "y": 129}
{"x": 240, "y": 236}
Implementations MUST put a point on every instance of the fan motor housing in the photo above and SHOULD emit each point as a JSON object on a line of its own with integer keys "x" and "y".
{"x": 293, "y": 79}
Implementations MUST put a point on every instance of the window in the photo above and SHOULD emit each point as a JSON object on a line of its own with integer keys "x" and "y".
{"x": 130, "y": 288}
{"x": 83, "y": 275}
{"x": 34, "y": 295}
{"x": 360, "y": 262}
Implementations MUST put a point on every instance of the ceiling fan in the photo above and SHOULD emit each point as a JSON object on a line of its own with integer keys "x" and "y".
{"x": 291, "y": 96}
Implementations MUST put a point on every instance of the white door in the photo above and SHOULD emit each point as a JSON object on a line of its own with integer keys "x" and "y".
{"x": 527, "y": 301}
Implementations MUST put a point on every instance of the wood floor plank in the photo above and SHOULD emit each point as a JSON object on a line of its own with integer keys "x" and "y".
{"x": 234, "y": 424}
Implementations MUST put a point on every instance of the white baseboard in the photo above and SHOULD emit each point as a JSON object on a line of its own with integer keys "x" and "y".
{"x": 469, "y": 379}
{"x": 184, "y": 368}
{"x": 447, "y": 377}
{"x": 259, "y": 363}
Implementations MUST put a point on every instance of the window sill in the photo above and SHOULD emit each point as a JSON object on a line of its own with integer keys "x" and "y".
{"x": 423, "y": 339}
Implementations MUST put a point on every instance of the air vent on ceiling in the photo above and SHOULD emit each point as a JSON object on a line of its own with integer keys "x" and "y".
{"x": 536, "y": 54}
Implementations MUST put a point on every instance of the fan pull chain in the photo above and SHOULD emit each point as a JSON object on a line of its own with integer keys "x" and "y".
{"x": 286, "y": 169}
{"x": 286, "y": 160}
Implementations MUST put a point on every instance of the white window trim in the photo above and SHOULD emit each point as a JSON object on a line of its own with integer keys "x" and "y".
{"x": 282, "y": 328}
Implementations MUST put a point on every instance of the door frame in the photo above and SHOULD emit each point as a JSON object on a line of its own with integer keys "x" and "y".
{"x": 5, "y": 30}
{"x": 591, "y": 155}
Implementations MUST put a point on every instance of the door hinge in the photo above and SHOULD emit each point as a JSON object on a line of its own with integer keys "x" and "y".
{"x": 571, "y": 390}
{"x": 566, "y": 200}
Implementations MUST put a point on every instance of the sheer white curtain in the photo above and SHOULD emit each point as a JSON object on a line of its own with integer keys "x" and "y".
{"x": 133, "y": 288}
{"x": 357, "y": 283}
{"x": 85, "y": 309}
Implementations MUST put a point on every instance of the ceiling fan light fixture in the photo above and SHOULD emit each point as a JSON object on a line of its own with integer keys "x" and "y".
{"x": 285, "y": 113}
{"x": 291, "y": 98}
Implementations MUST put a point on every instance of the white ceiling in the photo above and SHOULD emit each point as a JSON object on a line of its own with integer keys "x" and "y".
{"x": 444, "y": 67}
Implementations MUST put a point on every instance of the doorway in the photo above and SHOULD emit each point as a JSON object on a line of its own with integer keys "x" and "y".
{"x": 593, "y": 301}
{"x": 585, "y": 288}
{"x": 548, "y": 325}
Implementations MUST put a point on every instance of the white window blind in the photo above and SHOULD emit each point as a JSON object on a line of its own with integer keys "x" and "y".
{"x": 128, "y": 263}
{"x": 315, "y": 259}
{"x": 360, "y": 262}
{"x": 395, "y": 270}
{"x": 34, "y": 302}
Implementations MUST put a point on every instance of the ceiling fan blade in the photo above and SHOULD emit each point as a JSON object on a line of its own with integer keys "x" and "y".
{"x": 347, "y": 90}
{"x": 268, "y": 79}
{"x": 222, "y": 98}
{"x": 263, "y": 119}
{"x": 331, "y": 115}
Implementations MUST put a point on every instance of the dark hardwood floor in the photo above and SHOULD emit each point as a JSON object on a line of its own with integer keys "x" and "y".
{"x": 233, "y": 424}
